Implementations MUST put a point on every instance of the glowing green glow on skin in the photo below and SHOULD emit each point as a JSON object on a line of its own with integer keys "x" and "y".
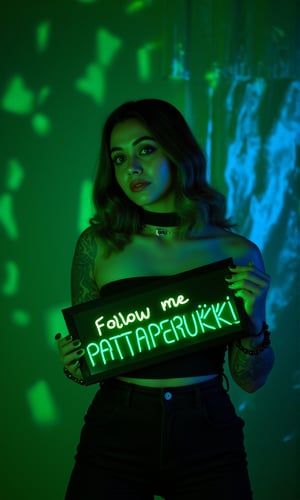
{"x": 93, "y": 83}
{"x": 86, "y": 209}
{"x": 15, "y": 175}
{"x": 41, "y": 404}
{"x": 41, "y": 124}
{"x": 6, "y": 216}
{"x": 42, "y": 36}
{"x": 18, "y": 98}
{"x": 11, "y": 282}
{"x": 107, "y": 47}
{"x": 21, "y": 317}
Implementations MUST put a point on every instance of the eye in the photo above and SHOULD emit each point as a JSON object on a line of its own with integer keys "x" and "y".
{"x": 118, "y": 160}
{"x": 147, "y": 149}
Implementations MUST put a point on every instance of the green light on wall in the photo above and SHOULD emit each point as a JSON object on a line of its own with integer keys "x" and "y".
{"x": 143, "y": 64}
{"x": 18, "y": 98}
{"x": 41, "y": 124}
{"x": 11, "y": 281}
{"x": 42, "y": 36}
{"x": 20, "y": 317}
{"x": 107, "y": 47}
{"x": 7, "y": 218}
{"x": 41, "y": 404}
{"x": 15, "y": 175}
{"x": 93, "y": 83}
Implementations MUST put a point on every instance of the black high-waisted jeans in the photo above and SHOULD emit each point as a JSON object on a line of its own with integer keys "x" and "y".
{"x": 180, "y": 443}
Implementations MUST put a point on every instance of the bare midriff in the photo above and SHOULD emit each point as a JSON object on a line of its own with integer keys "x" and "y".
{"x": 168, "y": 382}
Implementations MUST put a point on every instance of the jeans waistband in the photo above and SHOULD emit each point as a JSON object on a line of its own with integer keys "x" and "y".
{"x": 141, "y": 396}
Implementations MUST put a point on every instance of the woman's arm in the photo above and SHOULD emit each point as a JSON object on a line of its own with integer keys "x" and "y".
{"x": 83, "y": 289}
{"x": 249, "y": 364}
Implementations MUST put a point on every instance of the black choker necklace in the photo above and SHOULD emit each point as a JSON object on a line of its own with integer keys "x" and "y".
{"x": 159, "y": 219}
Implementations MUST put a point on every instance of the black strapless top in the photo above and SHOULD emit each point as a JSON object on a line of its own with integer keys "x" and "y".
{"x": 203, "y": 362}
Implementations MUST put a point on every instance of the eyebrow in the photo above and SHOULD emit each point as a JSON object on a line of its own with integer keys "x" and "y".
{"x": 137, "y": 141}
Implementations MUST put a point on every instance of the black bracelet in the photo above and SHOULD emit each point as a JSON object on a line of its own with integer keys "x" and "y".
{"x": 265, "y": 331}
{"x": 71, "y": 377}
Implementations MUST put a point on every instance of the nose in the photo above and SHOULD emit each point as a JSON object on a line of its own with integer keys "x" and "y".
{"x": 134, "y": 166}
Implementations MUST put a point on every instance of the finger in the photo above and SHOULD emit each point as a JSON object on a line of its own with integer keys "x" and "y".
{"x": 260, "y": 279}
{"x": 247, "y": 286}
{"x": 73, "y": 357}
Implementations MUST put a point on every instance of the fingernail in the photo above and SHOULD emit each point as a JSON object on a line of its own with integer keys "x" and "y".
{"x": 76, "y": 343}
{"x": 80, "y": 352}
{"x": 57, "y": 336}
{"x": 228, "y": 277}
{"x": 69, "y": 337}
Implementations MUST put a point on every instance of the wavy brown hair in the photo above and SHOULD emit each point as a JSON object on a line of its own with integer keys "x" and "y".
{"x": 116, "y": 217}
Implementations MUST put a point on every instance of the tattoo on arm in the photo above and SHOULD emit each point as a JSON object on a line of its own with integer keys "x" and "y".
{"x": 249, "y": 370}
{"x": 83, "y": 285}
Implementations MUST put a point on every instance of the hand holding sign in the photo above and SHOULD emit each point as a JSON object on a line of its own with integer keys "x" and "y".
{"x": 70, "y": 352}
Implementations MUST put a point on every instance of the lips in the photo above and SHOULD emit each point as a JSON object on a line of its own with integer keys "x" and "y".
{"x": 138, "y": 185}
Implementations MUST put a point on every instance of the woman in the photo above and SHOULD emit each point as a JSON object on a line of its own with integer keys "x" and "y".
{"x": 169, "y": 429}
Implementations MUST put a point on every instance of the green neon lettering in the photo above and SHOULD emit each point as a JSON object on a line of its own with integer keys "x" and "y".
{"x": 111, "y": 324}
{"x": 172, "y": 302}
{"x": 165, "y": 332}
{"x": 235, "y": 319}
{"x": 107, "y": 349}
{"x": 99, "y": 325}
{"x": 92, "y": 353}
{"x": 121, "y": 336}
{"x": 176, "y": 324}
{"x": 195, "y": 332}
{"x": 155, "y": 327}
{"x": 140, "y": 338}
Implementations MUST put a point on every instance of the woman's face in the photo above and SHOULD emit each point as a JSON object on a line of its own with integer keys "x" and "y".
{"x": 142, "y": 170}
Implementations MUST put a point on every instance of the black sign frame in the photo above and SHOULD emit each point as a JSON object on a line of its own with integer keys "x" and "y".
{"x": 206, "y": 284}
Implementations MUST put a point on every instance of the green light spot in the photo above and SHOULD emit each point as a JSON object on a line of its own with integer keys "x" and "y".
{"x": 213, "y": 76}
{"x": 6, "y": 216}
{"x": 86, "y": 209}
{"x": 86, "y": 1}
{"x": 15, "y": 175}
{"x": 43, "y": 94}
{"x": 41, "y": 404}
{"x": 41, "y": 124}
{"x": 135, "y": 6}
{"x": 107, "y": 47}
{"x": 18, "y": 98}
{"x": 10, "y": 285}
{"x": 93, "y": 83}
{"x": 143, "y": 64}
{"x": 20, "y": 317}
{"x": 42, "y": 36}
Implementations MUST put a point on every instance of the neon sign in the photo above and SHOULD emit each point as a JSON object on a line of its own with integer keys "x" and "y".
{"x": 177, "y": 314}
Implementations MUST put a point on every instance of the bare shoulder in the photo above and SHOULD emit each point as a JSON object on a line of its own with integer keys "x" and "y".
{"x": 243, "y": 250}
{"x": 83, "y": 284}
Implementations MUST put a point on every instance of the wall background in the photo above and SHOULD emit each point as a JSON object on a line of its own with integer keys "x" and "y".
{"x": 232, "y": 68}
